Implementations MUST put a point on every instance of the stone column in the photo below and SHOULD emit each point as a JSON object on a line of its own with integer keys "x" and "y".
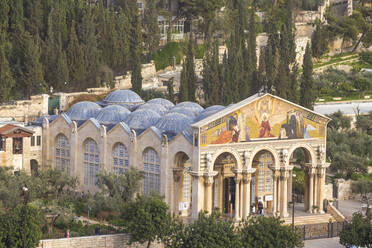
{"x": 321, "y": 189}
{"x": 311, "y": 190}
{"x": 284, "y": 181}
{"x": 275, "y": 191}
{"x": 247, "y": 195}
{"x": 208, "y": 182}
{"x": 279, "y": 188}
{"x": 316, "y": 190}
{"x": 237, "y": 200}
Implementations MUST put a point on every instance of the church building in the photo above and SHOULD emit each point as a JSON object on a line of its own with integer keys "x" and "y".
{"x": 229, "y": 158}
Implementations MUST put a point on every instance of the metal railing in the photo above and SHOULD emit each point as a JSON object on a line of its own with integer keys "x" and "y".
{"x": 321, "y": 230}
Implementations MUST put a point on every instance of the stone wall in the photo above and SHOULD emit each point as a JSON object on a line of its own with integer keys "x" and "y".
{"x": 65, "y": 99}
{"x": 148, "y": 72}
{"x": 101, "y": 241}
{"x": 328, "y": 191}
{"x": 26, "y": 110}
{"x": 344, "y": 189}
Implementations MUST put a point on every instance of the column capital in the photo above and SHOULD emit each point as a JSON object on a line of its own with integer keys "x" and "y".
{"x": 311, "y": 170}
{"x": 208, "y": 177}
{"x": 249, "y": 171}
{"x": 247, "y": 178}
{"x": 284, "y": 175}
{"x": 208, "y": 181}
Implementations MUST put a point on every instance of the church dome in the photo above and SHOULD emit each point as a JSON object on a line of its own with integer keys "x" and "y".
{"x": 83, "y": 110}
{"x": 185, "y": 111}
{"x": 112, "y": 114}
{"x": 142, "y": 119}
{"x": 173, "y": 123}
{"x": 213, "y": 107}
{"x": 193, "y": 106}
{"x": 164, "y": 102}
{"x": 205, "y": 114}
{"x": 160, "y": 109}
{"x": 126, "y": 98}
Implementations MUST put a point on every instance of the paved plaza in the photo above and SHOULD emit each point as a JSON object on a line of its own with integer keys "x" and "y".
{"x": 323, "y": 243}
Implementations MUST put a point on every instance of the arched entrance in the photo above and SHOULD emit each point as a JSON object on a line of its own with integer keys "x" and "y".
{"x": 224, "y": 184}
{"x": 182, "y": 184}
{"x": 262, "y": 181}
{"x": 34, "y": 167}
{"x": 302, "y": 188}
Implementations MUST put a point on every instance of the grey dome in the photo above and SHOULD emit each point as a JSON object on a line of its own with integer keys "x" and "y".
{"x": 205, "y": 114}
{"x": 185, "y": 111}
{"x": 123, "y": 97}
{"x": 196, "y": 108}
{"x": 39, "y": 121}
{"x": 166, "y": 103}
{"x": 83, "y": 110}
{"x": 142, "y": 119}
{"x": 173, "y": 123}
{"x": 112, "y": 114}
{"x": 160, "y": 109}
{"x": 213, "y": 107}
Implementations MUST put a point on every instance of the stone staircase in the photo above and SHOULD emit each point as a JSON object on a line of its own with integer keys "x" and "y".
{"x": 309, "y": 219}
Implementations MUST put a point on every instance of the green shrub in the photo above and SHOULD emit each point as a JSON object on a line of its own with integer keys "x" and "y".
{"x": 164, "y": 57}
{"x": 366, "y": 57}
{"x": 199, "y": 51}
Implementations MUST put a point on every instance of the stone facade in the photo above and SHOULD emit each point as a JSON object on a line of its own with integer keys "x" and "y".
{"x": 101, "y": 241}
{"x": 193, "y": 175}
{"x": 28, "y": 156}
{"x": 26, "y": 110}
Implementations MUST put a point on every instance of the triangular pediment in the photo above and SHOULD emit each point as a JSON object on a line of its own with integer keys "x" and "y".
{"x": 261, "y": 117}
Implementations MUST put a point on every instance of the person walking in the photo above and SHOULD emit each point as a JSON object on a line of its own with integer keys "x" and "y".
{"x": 260, "y": 208}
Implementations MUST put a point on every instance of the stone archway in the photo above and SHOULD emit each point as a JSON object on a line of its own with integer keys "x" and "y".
{"x": 264, "y": 185}
{"x": 182, "y": 187}
{"x": 306, "y": 194}
{"x": 225, "y": 184}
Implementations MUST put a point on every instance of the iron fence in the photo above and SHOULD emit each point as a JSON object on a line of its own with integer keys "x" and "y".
{"x": 321, "y": 230}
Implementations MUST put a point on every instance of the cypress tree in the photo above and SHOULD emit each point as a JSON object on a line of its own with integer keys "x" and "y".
{"x": 183, "y": 90}
{"x": 253, "y": 77}
{"x": 307, "y": 93}
{"x": 6, "y": 78}
{"x": 151, "y": 27}
{"x": 283, "y": 76}
{"x": 271, "y": 56}
{"x": 90, "y": 49}
{"x": 170, "y": 85}
{"x": 319, "y": 44}
{"x": 75, "y": 60}
{"x": 225, "y": 97}
{"x": 16, "y": 16}
{"x": 211, "y": 75}
{"x": 188, "y": 76}
{"x": 261, "y": 73}
{"x": 136, "y": 50}
{"x": 122, "y": 29}
{"x": 293, "y": 85}
{"x": 32, "y": 76}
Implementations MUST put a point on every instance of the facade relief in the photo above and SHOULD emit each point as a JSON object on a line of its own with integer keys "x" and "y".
{"x": 268, "y": 118}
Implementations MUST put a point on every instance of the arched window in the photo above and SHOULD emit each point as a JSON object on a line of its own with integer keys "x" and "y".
{"x": 91, "y": 162}
{"x": 63, "y": 153}
{"x": 264, "y": 182}
{"x": 151, "y": 167}
{"x": 120, "y": 159}
{"x": 187, "y": 184}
